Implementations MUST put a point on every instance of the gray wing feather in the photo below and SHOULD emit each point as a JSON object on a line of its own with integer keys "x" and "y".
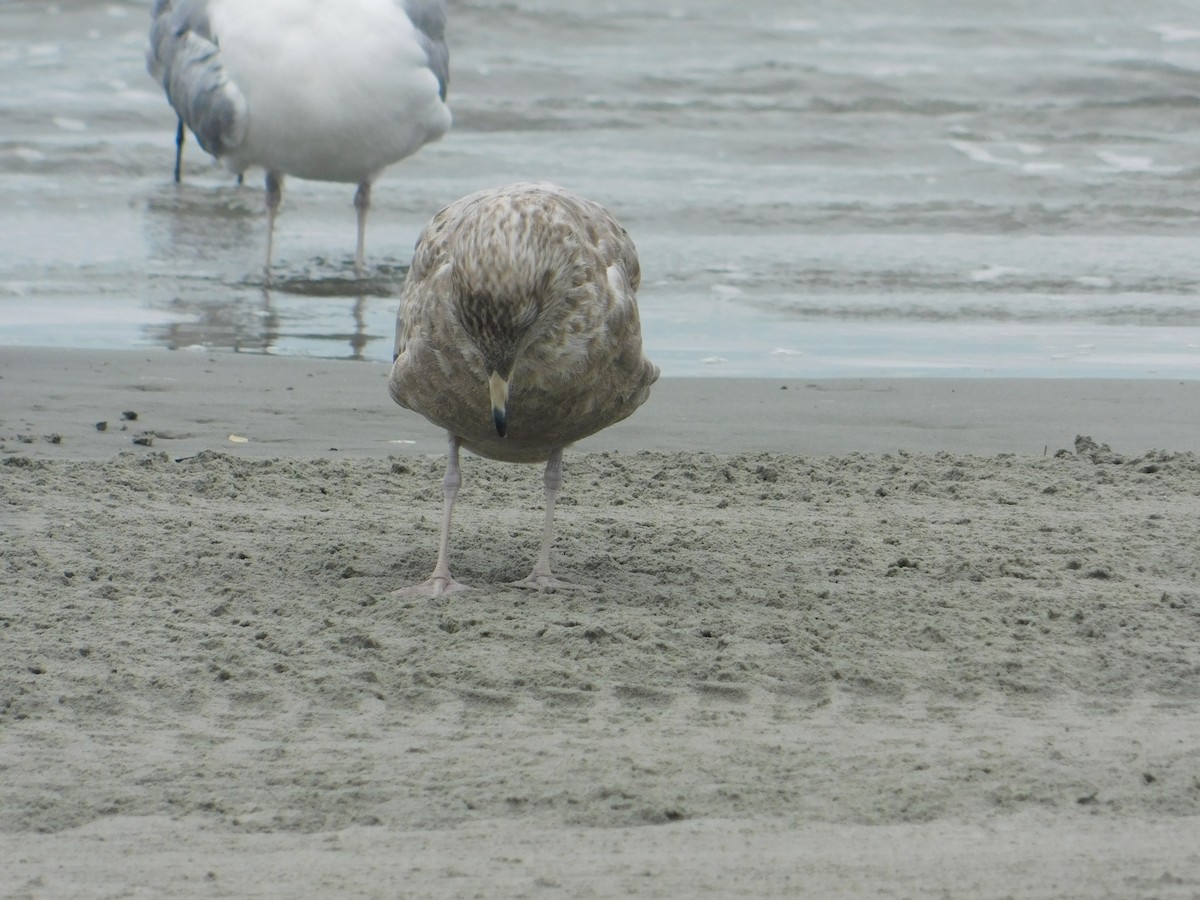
{"x": 185, "y": 58}
{"x": 160, "y": 32}
{"x": 201, "y": 92}
{"x": 429, "y": 16}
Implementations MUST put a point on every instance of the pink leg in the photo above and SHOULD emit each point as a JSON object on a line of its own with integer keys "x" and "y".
{"x": 274, "y": 198}
{"x": 541, "y": 578}
{"x": 441, "y": 581}
{"x": 362, "y": 203}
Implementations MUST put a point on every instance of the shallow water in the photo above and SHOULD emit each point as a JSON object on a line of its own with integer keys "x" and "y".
{"x": 817, "y": 189}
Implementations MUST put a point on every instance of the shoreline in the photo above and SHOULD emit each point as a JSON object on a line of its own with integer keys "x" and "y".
{"x": 259, "y": 407}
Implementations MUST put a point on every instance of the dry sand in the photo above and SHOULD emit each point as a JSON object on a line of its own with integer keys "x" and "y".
{"x": 898, "y": 639}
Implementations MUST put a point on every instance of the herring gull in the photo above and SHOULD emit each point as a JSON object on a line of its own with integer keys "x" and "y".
{"x": 160, "y": 23}
{"x": 160, "y": 20}
{"x": 318, "y": 90}
{"x": 518, "y": 333}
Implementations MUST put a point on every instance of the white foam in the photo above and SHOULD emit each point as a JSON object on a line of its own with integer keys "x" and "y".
{"x": 727, "y": 291}
{"x": 43, "y": 51}
{"x": 1174, "y": 34}
{"x": 1121, "y": 162}
{"x": 994, "y": 273}
{"x": 901, "y": 70}
{"x": 28, "y": 154}
{"x": 1036, "y": 168}
{"x": 976, "y": 153}
{"x": 795, "y": 25}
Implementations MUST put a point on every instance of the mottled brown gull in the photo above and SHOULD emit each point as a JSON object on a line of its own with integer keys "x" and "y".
{"x": 518, "y": 333}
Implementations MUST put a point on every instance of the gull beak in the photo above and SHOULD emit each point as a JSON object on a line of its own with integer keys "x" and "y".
{"x": 499, "y": 390}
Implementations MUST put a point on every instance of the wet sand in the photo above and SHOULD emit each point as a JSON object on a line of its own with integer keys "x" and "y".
{"x": 188, "y": 401}
{"x": 837, "y": 639}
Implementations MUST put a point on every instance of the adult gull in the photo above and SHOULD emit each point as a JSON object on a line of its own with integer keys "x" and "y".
{"x": 309, "y": 88}
{"x": 518, "y": 332}
{"x": 160, "y": 22}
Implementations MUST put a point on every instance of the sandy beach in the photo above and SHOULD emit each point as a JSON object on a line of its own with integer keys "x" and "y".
{"x": 894, "y": 638}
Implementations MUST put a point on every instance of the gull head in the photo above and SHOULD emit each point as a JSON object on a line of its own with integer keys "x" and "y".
{"x": 499, "y": 309}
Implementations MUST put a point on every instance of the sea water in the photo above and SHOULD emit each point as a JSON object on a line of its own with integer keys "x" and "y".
{"x": 816, "y": 188}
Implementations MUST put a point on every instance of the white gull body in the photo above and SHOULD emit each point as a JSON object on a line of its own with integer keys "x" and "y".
{"x": 321, "y": 90}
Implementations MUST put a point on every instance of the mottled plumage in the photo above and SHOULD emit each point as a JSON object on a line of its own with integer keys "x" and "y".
{"x": 518, "y": 333}
{"x": 318, "y": 90}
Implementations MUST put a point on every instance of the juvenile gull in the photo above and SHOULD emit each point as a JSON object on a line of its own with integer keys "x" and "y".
{"x": 518, "y": 333}
{"x": 319, "y": 90}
